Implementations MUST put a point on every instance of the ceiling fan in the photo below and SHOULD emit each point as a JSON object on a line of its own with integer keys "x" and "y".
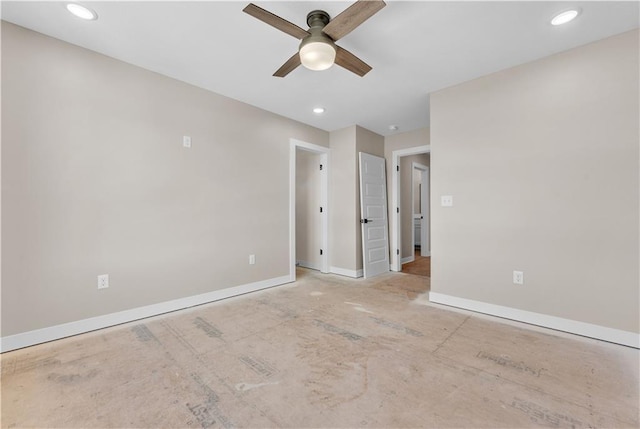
{"x": 318, "y": 50}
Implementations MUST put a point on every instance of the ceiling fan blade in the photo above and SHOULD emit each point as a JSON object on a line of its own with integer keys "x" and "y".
{"x": 289, "y": 66}
{"x": 352, "y": 17}
{"x": 350, "y": 62}
{"x": 275, "y": 21}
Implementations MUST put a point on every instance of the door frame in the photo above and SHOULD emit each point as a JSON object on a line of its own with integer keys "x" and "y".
{"x": 324, "y": 203}
{"x": 396, "y": 239}
{"x": 424, "y": 204}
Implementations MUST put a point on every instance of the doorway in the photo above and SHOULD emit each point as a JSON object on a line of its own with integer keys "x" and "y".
{"x": 402, "y": 214}
{"x": 419, "y": 262}
{"x": 308, "y": 218}
{"x": 308, "y": 206}
{"x": 421, "y": 208}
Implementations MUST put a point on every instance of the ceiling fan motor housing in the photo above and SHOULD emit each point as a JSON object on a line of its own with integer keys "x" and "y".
{"x": 318, "y": 18}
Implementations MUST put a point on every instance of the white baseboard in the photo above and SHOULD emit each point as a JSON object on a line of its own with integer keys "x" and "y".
{"x": 307, "y": 264}
{"x": 348, "y": 273}
{"x": 408, "y": 259}
{"x": 30, "y": 338}
{"x": 598, "y": 332}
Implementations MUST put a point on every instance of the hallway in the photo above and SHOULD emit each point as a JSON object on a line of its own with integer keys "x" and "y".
{"x": 421, "y": 266}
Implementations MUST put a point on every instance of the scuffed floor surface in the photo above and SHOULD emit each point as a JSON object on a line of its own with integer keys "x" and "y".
{"x": 325, "y": 352}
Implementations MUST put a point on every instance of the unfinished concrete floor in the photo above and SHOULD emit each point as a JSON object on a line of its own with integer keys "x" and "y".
{"x": 326, "y": 351}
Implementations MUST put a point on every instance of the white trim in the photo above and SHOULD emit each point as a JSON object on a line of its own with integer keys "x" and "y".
{"x": 423, "y": 169}
{"x": 30, "y": 338}
{"x": 425, "y": 209}
{"x": 355, "y": 274}
{"x": 307, "y": 264}
{"x": 617, "y": 336}
{"x": 324, "y": 201}
{"x": 396, "y": 241}
{"x": 408, "y": 259}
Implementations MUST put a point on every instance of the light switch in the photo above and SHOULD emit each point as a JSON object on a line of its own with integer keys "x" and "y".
{"x": 446, "y": 201}
{"x": 103, "y": 281}
{"x": 518, "y": 277}
{"x": 186, "y": 141}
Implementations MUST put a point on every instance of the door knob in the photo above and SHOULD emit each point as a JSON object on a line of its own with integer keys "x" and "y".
{"x": 364, "y": 220}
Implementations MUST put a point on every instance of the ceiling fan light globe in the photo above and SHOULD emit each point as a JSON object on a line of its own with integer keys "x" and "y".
{"x": 317, "y": 55}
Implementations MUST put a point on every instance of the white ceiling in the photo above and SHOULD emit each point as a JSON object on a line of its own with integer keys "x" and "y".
{"x": 415, "y": 48}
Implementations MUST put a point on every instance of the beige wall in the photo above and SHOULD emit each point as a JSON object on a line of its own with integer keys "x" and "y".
{"x": 406, "y": 140}
{"x": 342, "y": 194}
{"x": 345, "y": 230}
{"x": 406, "y": 200}
{"x": 308, "y": 240}
{"x": 95, "y": 180}
{"x": 542, "y": 164}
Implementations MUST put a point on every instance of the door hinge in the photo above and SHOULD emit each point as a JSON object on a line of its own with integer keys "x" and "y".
{"x": 320, "y": 209}
{"x": 397, "y": 168}
{"x": 321, "y": 252}
{"x": 397, "y": 251}
{"x": 320, "y": 167}
{"x": 397, "y": 209}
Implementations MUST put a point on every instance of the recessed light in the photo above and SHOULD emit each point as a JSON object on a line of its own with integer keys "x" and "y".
{"x": 318, "y": 110}
{"x": 394, "y": 127}
{"x": 564, "y": 17}
{"x": 82, "y": 11}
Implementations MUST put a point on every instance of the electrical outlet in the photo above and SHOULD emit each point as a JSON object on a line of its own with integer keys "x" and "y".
{"x": 446, "y": 200}
{"x": 186, "y": 141}
{"x": 103, "y": 281}
{"x": 252, "y": 259}
{"x": 518, "y": 277}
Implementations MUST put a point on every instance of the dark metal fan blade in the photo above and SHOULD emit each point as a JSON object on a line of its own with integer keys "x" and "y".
{"x": 352, "y": 17}
{"x": 350, "y": 62}
{"x": 289, "y": 66}
{"x": 275, "y": 21}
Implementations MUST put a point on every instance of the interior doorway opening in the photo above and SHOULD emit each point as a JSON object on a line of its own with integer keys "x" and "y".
{"x": 308, "y": 210}
{"x": 405, "y": 217}
{"x": 308, "y": 207}
{"x": 416, "y": 257}
{"x": 421, "y": 208}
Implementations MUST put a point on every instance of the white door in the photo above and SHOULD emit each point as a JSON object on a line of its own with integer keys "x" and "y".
{"x": 373, "y": 215}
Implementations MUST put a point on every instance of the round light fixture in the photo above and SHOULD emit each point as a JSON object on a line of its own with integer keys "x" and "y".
{"x": 317, "y": 55}
{"x": 318, "y": 110}
{"x": 394, "y": 127}
{"x": 82, "y": 12}
{"x": 564, "y": 17}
